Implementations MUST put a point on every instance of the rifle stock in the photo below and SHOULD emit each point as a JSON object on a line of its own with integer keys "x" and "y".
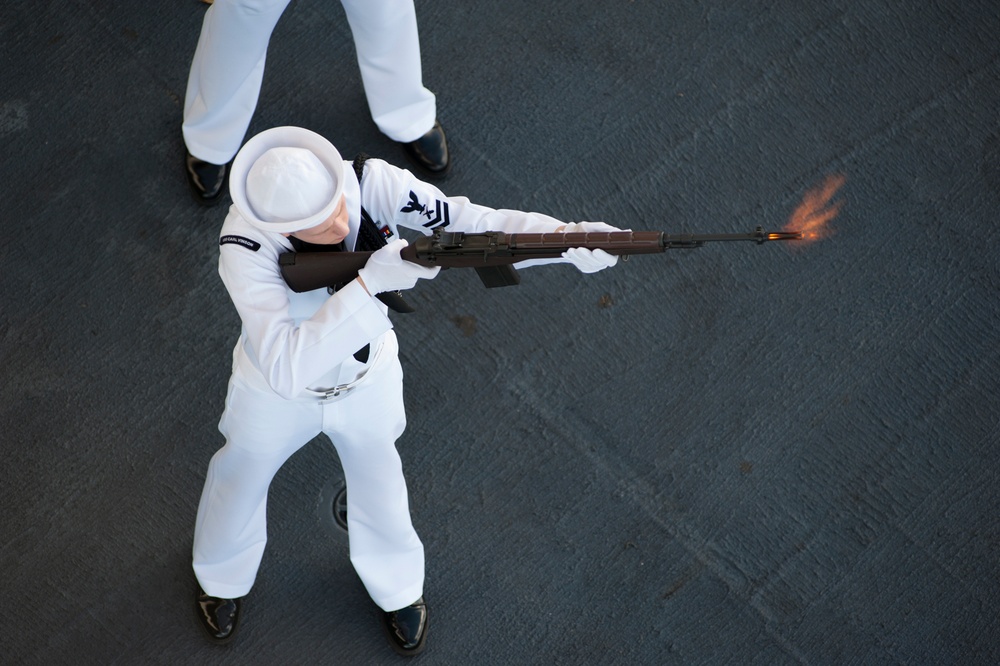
{"x": 493, "y": 253}
{"x": 305, "y": 271}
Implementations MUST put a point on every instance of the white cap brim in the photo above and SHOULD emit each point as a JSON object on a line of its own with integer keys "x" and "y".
{"x": 285, "y": 137}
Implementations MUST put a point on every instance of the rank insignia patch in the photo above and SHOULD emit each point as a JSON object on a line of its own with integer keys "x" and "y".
{"x": 437, "y": 216}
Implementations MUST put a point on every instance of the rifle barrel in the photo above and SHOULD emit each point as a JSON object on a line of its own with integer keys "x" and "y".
{"x": 758, "y": 235}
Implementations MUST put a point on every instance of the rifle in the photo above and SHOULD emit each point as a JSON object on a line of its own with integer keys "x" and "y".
{"x": 493, "y": 253}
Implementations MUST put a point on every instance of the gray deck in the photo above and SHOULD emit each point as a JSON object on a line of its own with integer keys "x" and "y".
{"x": 734, "y": 455}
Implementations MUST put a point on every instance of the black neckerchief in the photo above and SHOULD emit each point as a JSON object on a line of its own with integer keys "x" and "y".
{"x": 369, "y": 237}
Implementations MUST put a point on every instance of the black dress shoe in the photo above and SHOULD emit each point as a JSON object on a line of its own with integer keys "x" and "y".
{"x": 220, "y": 617}
{"x": 207, "y": 180}
{"x": 430, "y": 152}
{"x": 406, "y": 628}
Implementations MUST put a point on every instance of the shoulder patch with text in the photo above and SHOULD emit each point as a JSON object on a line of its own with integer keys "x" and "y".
{"x": 231, "y": 239}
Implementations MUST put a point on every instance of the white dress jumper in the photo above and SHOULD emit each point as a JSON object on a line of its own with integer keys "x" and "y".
{"x": 295, "y": 375}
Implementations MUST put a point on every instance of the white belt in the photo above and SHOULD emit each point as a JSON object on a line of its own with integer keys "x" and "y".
{"x": 331, "y": 394}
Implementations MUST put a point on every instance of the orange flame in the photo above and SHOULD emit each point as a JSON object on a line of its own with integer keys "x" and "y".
{"x": 812, "y": 215}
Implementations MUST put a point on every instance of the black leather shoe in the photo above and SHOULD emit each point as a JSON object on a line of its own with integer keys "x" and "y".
{"x": 220, "y": 617}
{"x": 430, "y": 152}
{"x": 406, "y": 628}
{"x": 207, "y": 180}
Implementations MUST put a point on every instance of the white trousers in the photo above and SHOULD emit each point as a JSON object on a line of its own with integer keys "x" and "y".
{"x": 262, "y": 431}
{"x": 228, "y": 68}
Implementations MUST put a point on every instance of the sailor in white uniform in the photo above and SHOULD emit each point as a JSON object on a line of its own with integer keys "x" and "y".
{"x": 326, "y": 362}
{"x": 228, "y": 68}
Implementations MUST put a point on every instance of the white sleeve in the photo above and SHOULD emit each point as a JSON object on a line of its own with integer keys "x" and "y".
{"x": 294, "y": 356}
{"x": 409, "y": 202}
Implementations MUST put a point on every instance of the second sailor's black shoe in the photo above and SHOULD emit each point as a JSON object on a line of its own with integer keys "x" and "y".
{"x": 406, "y": 628}
{"x": 207, "y": 180}
{"x": 430, "y": 152}
{"x": 219, "y": 617}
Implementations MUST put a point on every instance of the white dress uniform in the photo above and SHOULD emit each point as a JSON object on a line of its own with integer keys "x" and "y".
{"x": 294, "y": 376}
{"x": 228, "y": 68}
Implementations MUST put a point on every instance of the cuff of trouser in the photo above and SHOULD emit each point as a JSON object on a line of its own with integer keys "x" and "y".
{"x": 408, "y": 123}
{"x": 224, "y": 590}
{"x": 206, "y": 153}
{"x": 400, "y": 600}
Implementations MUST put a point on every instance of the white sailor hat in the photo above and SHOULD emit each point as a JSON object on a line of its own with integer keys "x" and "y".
{"x": 286, "y": 179}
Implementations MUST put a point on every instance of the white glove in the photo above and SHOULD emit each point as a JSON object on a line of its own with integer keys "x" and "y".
{"x": 387, "y": 271}
{"x": 589, "y": 261}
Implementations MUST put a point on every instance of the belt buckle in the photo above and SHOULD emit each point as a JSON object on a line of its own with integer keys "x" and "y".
{"x": 336, "y": 392}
